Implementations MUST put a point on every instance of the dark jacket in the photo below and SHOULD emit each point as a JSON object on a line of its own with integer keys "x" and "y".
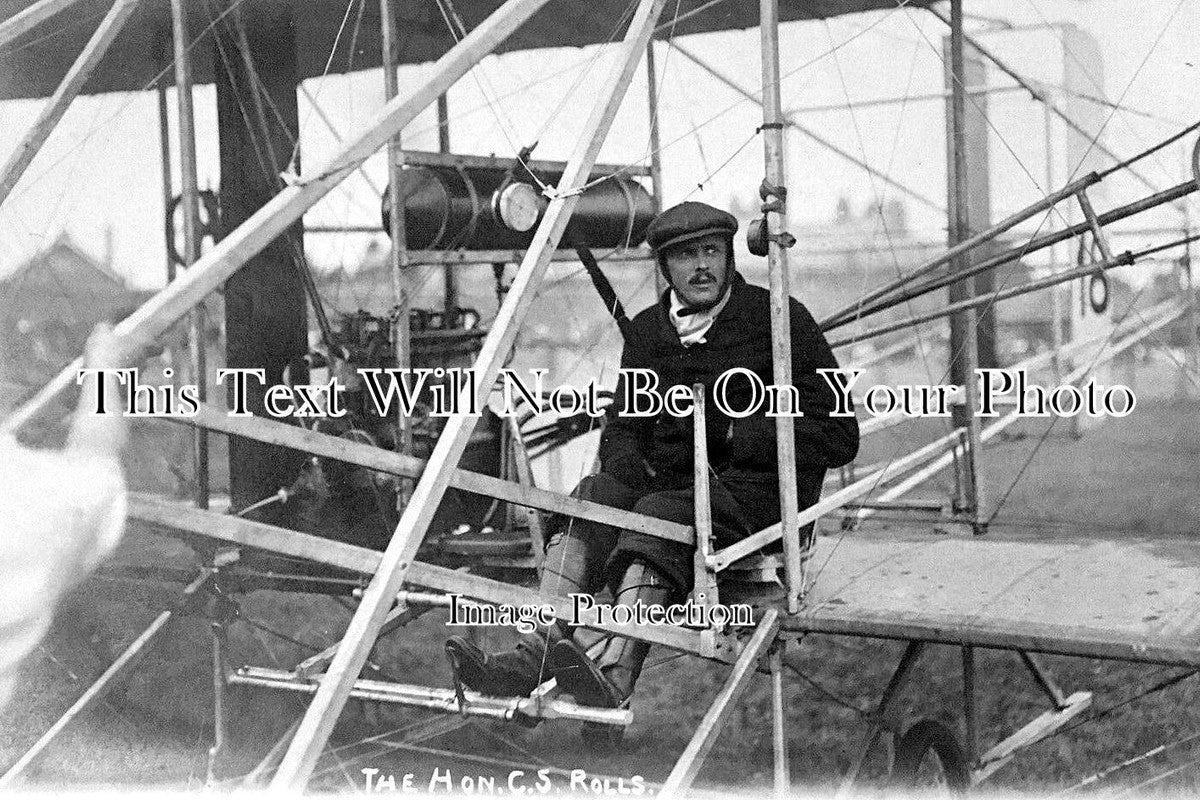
{"x": 656, "y": 452}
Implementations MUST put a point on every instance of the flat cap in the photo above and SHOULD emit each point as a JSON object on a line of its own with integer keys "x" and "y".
{"x": 687, "y": 221}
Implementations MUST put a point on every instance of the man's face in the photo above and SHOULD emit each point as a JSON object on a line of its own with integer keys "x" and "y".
{"x": 697, "y": 269}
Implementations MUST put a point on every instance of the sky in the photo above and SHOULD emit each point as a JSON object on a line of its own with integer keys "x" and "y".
{"x": 100, "y": 170}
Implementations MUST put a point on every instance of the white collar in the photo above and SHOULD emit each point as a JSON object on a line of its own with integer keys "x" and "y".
{"x": 693, "y": 326}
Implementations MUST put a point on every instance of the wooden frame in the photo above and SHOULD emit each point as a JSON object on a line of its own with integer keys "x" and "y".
{"x": 396, "y": 567}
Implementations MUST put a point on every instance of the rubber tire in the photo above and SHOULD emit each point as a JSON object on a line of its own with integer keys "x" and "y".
{"x": 922, "y": 737}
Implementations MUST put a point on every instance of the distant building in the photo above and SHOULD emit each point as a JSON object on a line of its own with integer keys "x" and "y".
{"x": 50, "y": 304}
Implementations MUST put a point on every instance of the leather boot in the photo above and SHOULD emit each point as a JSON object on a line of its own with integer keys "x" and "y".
{"x": 608, "y": 681}
{"x": 508, "y": 673}
{"x": 571, "y": 566}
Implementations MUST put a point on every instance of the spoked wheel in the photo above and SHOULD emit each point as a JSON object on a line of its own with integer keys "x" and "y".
{"x": 929, "y": 758}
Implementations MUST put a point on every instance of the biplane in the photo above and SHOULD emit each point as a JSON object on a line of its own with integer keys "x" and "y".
{"x": 408, "y": 517}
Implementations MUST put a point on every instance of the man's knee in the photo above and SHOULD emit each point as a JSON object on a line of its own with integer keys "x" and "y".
{"x": 674, "y": 506}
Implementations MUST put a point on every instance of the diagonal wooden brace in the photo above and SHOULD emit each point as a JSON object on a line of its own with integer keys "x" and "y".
{"x": 364, "y": 455}
{"x": 685, "y": 769}
{"x": 335, "y": 689}
{"x": 272, "y": 220}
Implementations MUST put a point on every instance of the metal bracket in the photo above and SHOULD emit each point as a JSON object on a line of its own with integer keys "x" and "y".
{"x": 768, "y": 190}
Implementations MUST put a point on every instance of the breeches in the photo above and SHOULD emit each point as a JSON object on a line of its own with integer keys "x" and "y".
{"x": 601, "y": 553}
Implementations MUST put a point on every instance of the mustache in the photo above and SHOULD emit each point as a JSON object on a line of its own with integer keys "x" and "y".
{"x": 702, "y": 277}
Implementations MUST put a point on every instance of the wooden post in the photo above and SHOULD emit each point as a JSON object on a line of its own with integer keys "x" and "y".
{"x": 783, "y": 772}
{"x": 398, "y": 259}
{"x": 191, "y": 236}
{"x": 964, "y": 344}
{"x": 67, "y": 91}
{"x": 656, "y": 197}
{"x": 327, "y": 704}
{"x": 249, "y": 238}
{"x": 970, "y": 715}
{"x": 685, "y": 769}
{"x": 704, "y": 576}
{"x": 655, "y": 131}
{"x": 781, "y": 297}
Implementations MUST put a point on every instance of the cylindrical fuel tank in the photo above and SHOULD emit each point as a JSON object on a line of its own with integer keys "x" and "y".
{"x": 448, "y": 208}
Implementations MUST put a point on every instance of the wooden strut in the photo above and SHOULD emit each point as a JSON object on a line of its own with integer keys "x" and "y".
{"x": 322, "y": 714}
{"x": 688, "y": 765}
{"x": 724, "y": 558}
{"x": 122, "y": 666}
{"x": 189, "y": 191}
{"x": 964, "y": 341}
{"x": 994, "y": 429}
{"x": 774, "y": 192}
{"x": 907, "y": 661}
{"x": 136, "y": 331}
{"x": 398, "y": 256}
{"x": 704, "y": 578}
{"x": 779, "y": 737}
{"x": 176, "y": 517}
{"x": 68, "y": 89}
{"x": 375, "y": 458}
{"x": 21, "y": 23}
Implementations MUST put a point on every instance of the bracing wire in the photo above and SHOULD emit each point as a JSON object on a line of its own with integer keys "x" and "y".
{"x": 291, "y": 162}
{"x": 879, "y": 217}
{"x": 1046, "y": 433}
{"x": 1096, "y": 84}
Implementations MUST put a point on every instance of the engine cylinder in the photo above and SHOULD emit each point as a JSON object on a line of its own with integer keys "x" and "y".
{"x": 449, "y": 208}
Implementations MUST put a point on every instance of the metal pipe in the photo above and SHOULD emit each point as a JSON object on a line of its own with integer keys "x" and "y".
{"x": 449, "y": 279}
{"x": 859, "y": 308}
{"x": 1016, "y": 253}
{"x": 164, "y": 155}
{"x": 1123, "y": 260}
{"x": 191, "y": 235}
{"x": 781, "y": 298}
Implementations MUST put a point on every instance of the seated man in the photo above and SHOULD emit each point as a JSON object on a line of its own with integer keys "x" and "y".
{"x": 708, "y": 322}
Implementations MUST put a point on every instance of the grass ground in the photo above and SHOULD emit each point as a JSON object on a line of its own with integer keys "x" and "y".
{"x": 1131, "y": 477}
